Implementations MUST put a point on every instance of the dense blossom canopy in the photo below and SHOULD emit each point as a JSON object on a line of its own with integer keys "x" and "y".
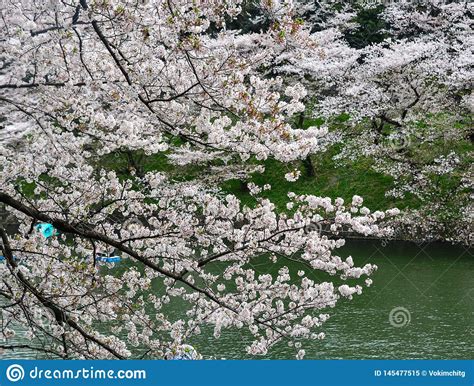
{"x": 89, "y": 83}
{"x": 407, "y": 99}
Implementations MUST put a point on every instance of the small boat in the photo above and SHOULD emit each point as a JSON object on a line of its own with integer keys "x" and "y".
{"x": 107, "y": 258}
{"x": 184, "y": 352}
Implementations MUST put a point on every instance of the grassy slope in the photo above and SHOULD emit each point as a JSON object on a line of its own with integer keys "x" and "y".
{"x": 329, "y": 181}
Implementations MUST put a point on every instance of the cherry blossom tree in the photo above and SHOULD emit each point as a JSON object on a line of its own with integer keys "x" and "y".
{"x": 91, "y": 83}
{"x": 409, "y": 103}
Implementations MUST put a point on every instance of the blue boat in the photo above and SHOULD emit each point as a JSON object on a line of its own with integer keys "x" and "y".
{"x": 106, "y": 258}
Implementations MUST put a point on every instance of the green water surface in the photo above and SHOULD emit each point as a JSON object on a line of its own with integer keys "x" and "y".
{"x": 431, "y": 284}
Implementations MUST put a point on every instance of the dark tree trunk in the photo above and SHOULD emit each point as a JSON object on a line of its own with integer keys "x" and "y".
{"x": 307, "y": 162}
{"x": 244, "y": 186}
{"x": 309, "y": 166}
